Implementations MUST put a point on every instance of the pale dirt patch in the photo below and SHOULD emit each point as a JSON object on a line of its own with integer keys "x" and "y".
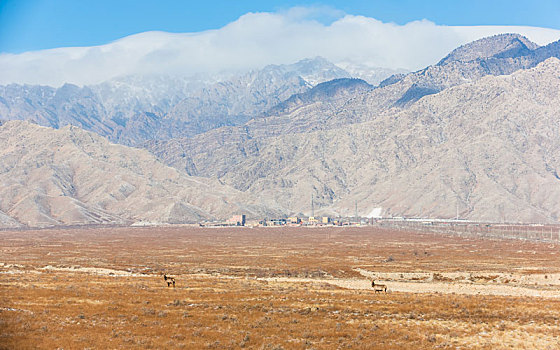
{"x": 427, "y": 287}
{"x": 18, "y": 269}
{"x": 93, "y": 270}
{"x": 466, "y": 283}
{"x": 86, "y": 301}
{"x": 510, "y": 278}
{"x": 14, "y": 310}
{"x": 17, "y": 272}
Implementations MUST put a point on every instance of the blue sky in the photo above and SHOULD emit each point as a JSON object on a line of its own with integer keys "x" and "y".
{"x": 40, "y": 24}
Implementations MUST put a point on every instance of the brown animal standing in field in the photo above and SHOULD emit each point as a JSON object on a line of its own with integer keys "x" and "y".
{"x": 378, "y": 288}
{"x": 169, "y": 280}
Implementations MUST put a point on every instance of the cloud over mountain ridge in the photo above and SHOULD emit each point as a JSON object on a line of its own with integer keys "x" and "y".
{"x": 247, "y": 44}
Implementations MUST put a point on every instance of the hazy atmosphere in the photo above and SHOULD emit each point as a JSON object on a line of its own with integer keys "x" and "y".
{"x": 279, "y": 174}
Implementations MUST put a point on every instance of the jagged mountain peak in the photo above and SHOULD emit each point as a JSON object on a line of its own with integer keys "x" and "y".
{"x": 71, "y": 91}
{"x": 328, "y": 90}
{"x": 501, "y": 45}
{"x": 304, "y": 64}
{"x": 313, "y": 70}
{"x": 333, "y": 87}
{"x": 496, "y": 55}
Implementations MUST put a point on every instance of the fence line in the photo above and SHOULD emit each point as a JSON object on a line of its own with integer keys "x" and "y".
{"x": 534, "y": 233}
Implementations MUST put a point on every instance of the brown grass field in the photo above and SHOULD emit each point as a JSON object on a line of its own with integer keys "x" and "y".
{"x": 274, "y": 288}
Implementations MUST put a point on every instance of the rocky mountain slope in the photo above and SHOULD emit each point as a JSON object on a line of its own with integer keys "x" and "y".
{"x": 358, "y": 103}
{"x": 332, "y": 91}
{"x": 127, "y": 110}
{"x": 70, "y": 176}
{"x": 473, "y": 136}
{"x": 130, "y": 110}
{"x": 501, "y": 46}
{"x": 324, "y": 106}
{"x": 497, "y": 55}
{"x": 487, "y": 149}
{"x": 56, "y": 108}
{"x": 372, "y": 75}
{"x": 239, "y": 99}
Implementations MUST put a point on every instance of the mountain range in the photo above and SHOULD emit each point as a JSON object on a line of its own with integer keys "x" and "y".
{"x": 337, "y": 150}
{"x": 472, "y": 136}
{"x": 130, "y": 110}
{"x": 70, "y": 177}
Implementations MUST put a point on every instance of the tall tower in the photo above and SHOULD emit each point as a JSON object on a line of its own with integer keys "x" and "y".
{"x": 312, "y": 207}
{"x": 356, "y": 211}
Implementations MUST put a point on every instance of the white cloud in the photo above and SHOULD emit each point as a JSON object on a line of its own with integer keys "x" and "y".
{"x": 253, "y": 41}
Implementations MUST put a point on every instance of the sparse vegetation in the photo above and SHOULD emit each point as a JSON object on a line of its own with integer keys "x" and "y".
{"x": 222, "y": 302}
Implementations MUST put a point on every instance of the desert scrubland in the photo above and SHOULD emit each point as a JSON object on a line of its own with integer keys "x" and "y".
{"x": 275, "y": 288}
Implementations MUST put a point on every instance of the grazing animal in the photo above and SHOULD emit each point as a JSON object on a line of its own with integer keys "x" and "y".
{"x": 378, "y": 288}
{"x": 169, "y": 280}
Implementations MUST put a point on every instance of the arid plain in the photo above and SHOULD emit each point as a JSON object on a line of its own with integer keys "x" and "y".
{"x": 275, "y": 288}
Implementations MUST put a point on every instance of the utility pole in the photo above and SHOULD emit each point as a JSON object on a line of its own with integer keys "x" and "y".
{"x": 356, "y": 212}
{"x": 312, "y": 207}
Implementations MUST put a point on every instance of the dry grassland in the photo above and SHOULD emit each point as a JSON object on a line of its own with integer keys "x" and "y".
{"x": 285, "y": 288}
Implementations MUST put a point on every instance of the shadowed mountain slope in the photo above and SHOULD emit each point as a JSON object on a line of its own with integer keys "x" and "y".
{"x": 355, "y": 102}
{"x": 497, "y": 55}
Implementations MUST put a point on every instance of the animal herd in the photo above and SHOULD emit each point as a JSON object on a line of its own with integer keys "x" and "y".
{"x": 377, "y": 288}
